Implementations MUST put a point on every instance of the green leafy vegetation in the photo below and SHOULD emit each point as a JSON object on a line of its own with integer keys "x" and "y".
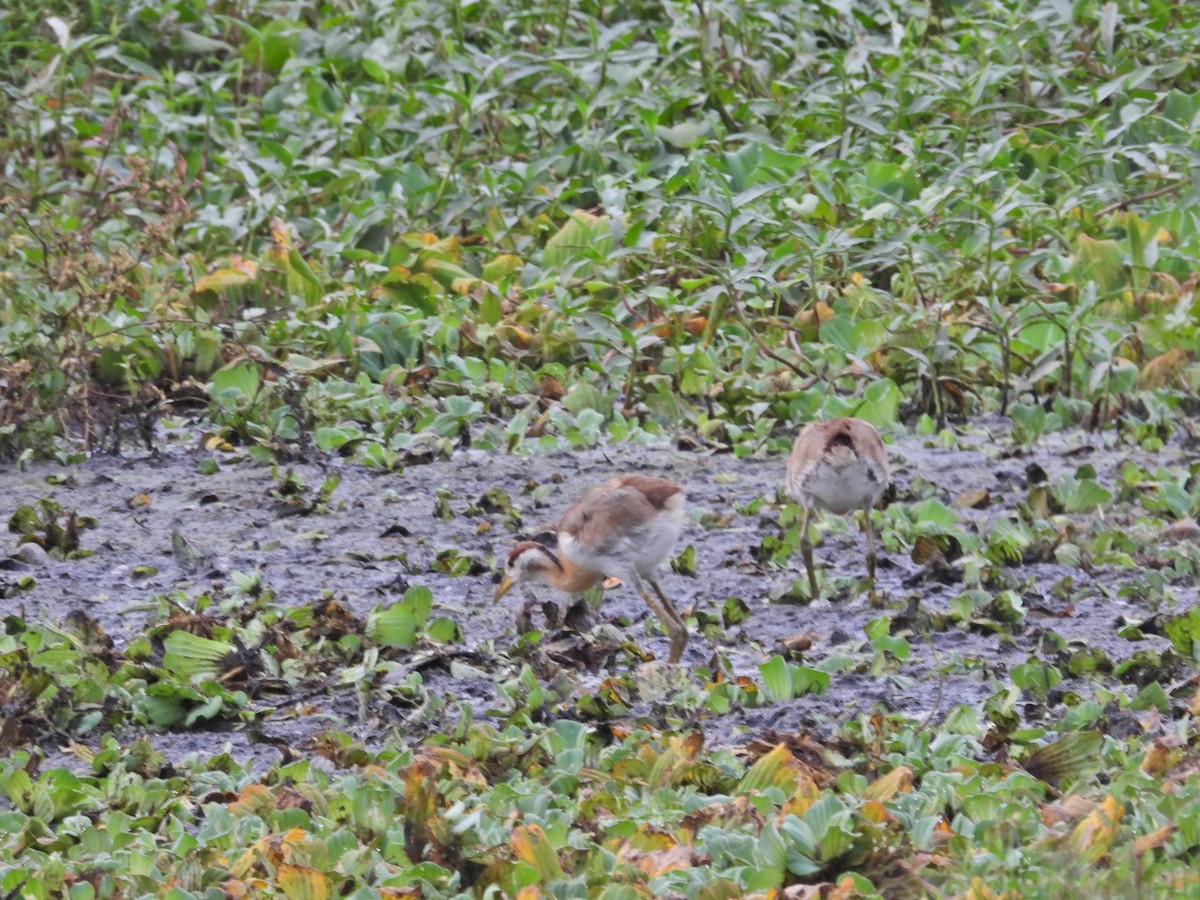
{"x": 394, "y": 230}
{"x": 388, "y": 232}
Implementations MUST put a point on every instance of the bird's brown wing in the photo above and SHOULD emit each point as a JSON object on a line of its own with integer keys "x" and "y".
{"x": 610, "y": 520}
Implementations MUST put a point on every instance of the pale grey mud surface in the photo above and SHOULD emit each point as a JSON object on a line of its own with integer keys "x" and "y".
{"x": 381, "y": 533}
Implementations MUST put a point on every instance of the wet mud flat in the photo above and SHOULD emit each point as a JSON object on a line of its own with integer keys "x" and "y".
{"x": 444, "y": 526}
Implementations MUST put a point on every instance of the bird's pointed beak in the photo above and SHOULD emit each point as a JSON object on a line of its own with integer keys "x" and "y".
{"x": 502, "y": 588}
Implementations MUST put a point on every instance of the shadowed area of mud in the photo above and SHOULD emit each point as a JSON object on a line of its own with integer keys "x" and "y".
{"x": 381, "y": 533}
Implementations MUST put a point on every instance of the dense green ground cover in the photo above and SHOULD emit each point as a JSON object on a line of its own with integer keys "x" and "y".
{"x": 390, "y": 229}
{"x": 401, "y": 226}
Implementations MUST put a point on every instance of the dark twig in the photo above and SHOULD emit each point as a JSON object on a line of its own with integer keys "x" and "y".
{"x": 1149, "y": 195}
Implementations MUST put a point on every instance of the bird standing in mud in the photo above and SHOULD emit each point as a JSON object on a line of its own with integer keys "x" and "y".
{"x": 839, "y": 466}
{"x": 625, "y": 527}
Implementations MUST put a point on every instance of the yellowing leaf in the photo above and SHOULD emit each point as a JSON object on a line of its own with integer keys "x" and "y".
{"x": 241, "y": 264}
{"x": 1163, "y": 369}
{"x": 503, "y": 265}
{"x": 1159, "y": 756}
{"x": 280, "y": 233}
{"x": 303, "y": 883}
{"x": 773, "y": 769}
{"x": 978, "y": 891}
{"x": 254, "y": 800}
{"x": 658, "y": 862}
{"x": 583, "y": 236}
{"x": 1093, "y": 837}
{"x": 1154, "y": 839}
{"x": 216, "y": 442}
{"x": 820, "y": 313}
{"x": 897, "y": 781}
{"x": 874, "y": 811}
{"x": 222, "y": 278}
{"x": 531, "y": 846}
{"x": 976, "y": 499}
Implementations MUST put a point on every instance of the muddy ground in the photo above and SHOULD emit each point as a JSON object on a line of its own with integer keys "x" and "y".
{"x": 381, "y": 532}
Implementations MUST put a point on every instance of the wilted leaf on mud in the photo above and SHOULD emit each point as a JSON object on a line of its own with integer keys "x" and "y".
{"x": 1074, "y": 756}
{"x": 897, "y": 781}
{"x": 674, "y": 763}
{"x": 1086, "y": 496}
{"x": 1086, "y": 660}
{"x": 1160, "y": 755}
{"x": 925, "y": 551}
{"x": 1069, "y": 808}
{"x": 1183, "y": 530}
{"x": 974, "y": 499}
{"x": 274, "y": 850}
{"x": 798, "y": 643}
{"x": 196, "y": 657}
{"x": 213, "y": 442}
{"x": 653, "y": 863}
{"x": 253, "y": 800}
{"x": 187, "y": 554}
{"x": 734, "y": 611}
{"x": 494, "y": 500}
{"x": 1093, "y": 837}
{"x": 780, "y": 768}
{"x": 685, "y": 562}
{"x": 89, "y": 633}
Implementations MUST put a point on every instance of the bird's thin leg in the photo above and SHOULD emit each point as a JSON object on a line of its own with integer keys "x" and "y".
{"x": 806, "y": 551}
{"x": 870, "y": 544}
{"x": 671, "y": 621}
{"x": 665, "y": 602}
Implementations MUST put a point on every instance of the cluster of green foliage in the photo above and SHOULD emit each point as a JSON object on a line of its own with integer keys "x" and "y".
{"x": 565, "y": 793}
{"x": 1078, "y": 770}
{"x": 389, "y": 229}
{"x": 395, "y": 228}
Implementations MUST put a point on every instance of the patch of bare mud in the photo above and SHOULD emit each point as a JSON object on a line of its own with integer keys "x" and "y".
{"x": 384, "y": 532}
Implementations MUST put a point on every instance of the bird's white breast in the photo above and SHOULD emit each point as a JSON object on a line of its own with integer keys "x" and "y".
{"x": 661, "y": 537}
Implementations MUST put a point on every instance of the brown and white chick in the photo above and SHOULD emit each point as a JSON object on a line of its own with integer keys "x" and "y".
{"x": 625, "y": 527}
{"x": 839, "y": 466}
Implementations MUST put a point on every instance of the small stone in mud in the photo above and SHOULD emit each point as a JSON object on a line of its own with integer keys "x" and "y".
{"x": 798, "y": 643}
{"x": 33, "y": 555}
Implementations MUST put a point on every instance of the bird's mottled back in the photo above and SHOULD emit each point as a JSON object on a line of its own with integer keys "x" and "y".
{"x": 837, "y": 444}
